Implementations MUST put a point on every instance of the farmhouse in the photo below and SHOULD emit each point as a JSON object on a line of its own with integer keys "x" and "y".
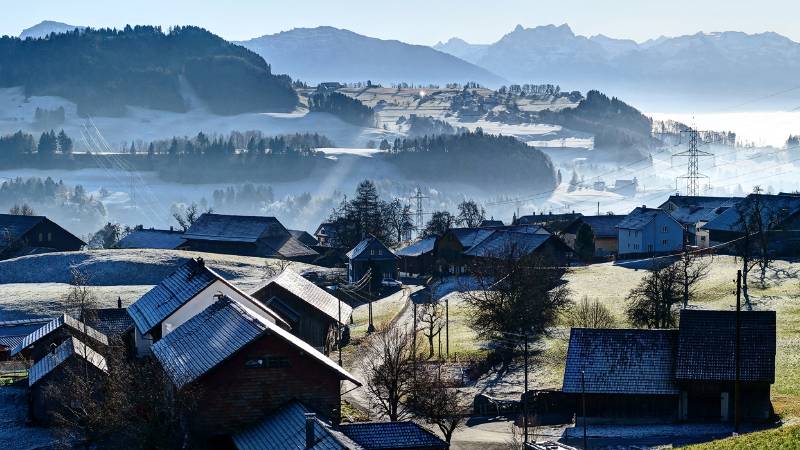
{"x": 312, "y": 313}
{"x": 695, "y": 211}
{"x": 259, "y": 236}
{"x": 304, "y": 237}
{"x": 649, "y": 231}
{"x": 245, "y": 367}
{"x": 182, "y": 295}
{"x": 418, "y": 257}
{"x": 152, "y": 238}
{"x": 39, "y": 343}
{"x": 112, "y": 322}
{"x": 326, "y": 234}
{"x": 505, "y": 243}
{"x": 450, "y": 249}
{"x": 27, "y": 235}
{"x": 12, "y": 332}
{"x": 371, "y": 256}
{"x": 554, "y": 223}
{"x": 604, "y": 229}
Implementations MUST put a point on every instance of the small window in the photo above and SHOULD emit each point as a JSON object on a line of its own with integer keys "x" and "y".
{"x": 41, "y": 237}
{"x": 664, "y": 228}
{"x": 267, "y": 362}
{"x": 49, "y": 236}
{"x": 664, "y": 242}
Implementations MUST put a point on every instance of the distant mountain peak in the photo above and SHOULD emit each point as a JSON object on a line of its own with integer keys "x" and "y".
{"x": 45, "y": 27}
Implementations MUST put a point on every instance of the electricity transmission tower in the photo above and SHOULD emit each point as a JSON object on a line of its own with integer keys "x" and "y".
{"x": 420, "y": 214}
{"x": 693, "y": 175}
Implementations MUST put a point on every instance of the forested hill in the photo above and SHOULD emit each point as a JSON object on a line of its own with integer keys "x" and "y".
{"x": 104, "y": 70}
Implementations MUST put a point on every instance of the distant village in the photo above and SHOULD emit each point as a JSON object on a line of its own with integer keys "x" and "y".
{"x": 221, "y": 367}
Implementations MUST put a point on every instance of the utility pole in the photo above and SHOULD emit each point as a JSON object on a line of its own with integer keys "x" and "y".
{"x": 420, "y": 219}
{"x": 525, "y": 394}
{"x": 447, "y": 326}
{"x": 339, "y": 333}
{"x": 693, "y": 175}
{"x": 736, "y": 387}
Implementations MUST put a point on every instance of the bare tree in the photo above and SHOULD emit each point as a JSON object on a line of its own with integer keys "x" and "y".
{"x": 693, "y": 268}
{"x": 653, "y": 303}
{"x": 431, "y": 316}
{"x": 21, "y": 210}
{"x": 590, "y": 313}
{"x": 188, "y": 215}
{"x": 275, "y": 266}
{"x": 80, "y": 300}
{"x": 435, "y": 400}
{"x": 756, "y": 222}
{"x": 388, "y": 368}
{"x": 470, "y": 214}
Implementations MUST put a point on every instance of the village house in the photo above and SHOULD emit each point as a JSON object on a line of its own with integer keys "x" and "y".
{"x": 647, "y": 231}
{"x": 40, "y": 342}
{"x": 182, "y": 295}
{"x": 604, "y": 229}
{"x": 152, "y": 238}
{"x": 506, "y": 243}
{"x": 28, "y": 235}
{"x": 674, "y": 375}
{"x": 418, "y": 257}
{"x": 313, "y": 314}
{"x": 326, "y": 234}
{"x": 371, "y": 256}
{"x": 298, "y": 427}
{"x": 693, "y": 212}
{"x": 114, "y": 323}
{"x": 12, "y": 332}
{"x": 487, "y": 223}
{"x": 50, "y": 372}
{"x": 304, "y": 237}
{"x": 626, "y": 188}
{"x": 244, "y": 367}
{"x": 259, "y": 236}
{"x": 450, "y": 249}
{"x": 554, "y": 223}
{"x": 780, "y": 214}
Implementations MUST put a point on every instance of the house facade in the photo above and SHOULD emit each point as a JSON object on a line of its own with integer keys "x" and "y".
{"x": 647, "y": 231}
{"x": 604, "y": 229}
{"x": 693, "y": 212}
{"x": 418, "y": 258}
{"x": 27, "y": 235}
{"x": 372, "y": 255}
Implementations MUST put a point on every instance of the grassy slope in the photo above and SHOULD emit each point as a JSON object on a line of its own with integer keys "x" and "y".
{"x": 785, "y": 438}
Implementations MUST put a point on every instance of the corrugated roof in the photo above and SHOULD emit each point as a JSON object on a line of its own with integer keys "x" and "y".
{"x": 783, "y": 206}
{"x": 68, "y": 348}
{"x": 418, "y": 248}
{"x": 502, "y": 241}
{"x": 391, "y": 435}
{"x": 13, "y": 226}
{"x": 224, "y": 227}
{"x": 619, "y": 361}
{"x": 286, "y": 430}
{"x": 53, "y": 325}
{"x": 640, "y": 218}
{"x": 312, "y": 294}
{"x": 161, "y": 239}
{"x": 216, "y": 333}
{"x": 174, "y": 291}
{"x": 706, "y": 350}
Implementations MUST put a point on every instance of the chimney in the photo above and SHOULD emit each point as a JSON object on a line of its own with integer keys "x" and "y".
{"x": 170, "y": 228}
{"x": 200, "y": 262}
{"x": 644, "y": 206}
{"x": 310, "y": 439}
{"x": 119, "y": 302}
{"x": 53, "y": 348}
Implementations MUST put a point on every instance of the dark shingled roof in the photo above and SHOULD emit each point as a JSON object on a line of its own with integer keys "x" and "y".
{"x": 706, "y": 348}
{"x": 286, "y": 430}
{"x": 619, "y": 361}
{"x": 391, "y": 435}
{"x": 422, "y": 246}
{"x": 640, "y": 217}
{"x": 161, "y": 239}
{"x": 63, "y": 352}
{"x": 604, "y": 226}
{"x": 110, "y": 321}
{"x": 315, "y": 296}
{"x": 502, "y": 241}
{"x": 469, "y": 237}
{"x": 64, "y": 320}
{"x": 371, "y": 242}
{"x": 694, "y": 209}
{"x": 13, "y": 226}
{"x": 783, "y": 206}
{"x": 304, "y": 237}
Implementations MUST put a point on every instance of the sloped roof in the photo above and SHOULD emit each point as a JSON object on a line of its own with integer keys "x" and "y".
{"x": 68, "y": 348}
{"x": 693, "y": 209}
{"x": 620, "y": 361}
{"x": 603, "y": 226}
{"x": 391, "y": 435}
{"x": 325, "y": 229}
{"x": 468, "y": 237}
{"x": 783, "y": 206}
{"x": 491, "y": 223}
{"x": 371, "y": 242}
{"x": 174, "y": 291}
{"x": 304, "y": 237}
{"x": 12, "y": 332}
{"x": 706, "y": 349}
{"x": 13, "y": 226}
{"x": 110, "y": 321}
{"x": 284, "y": 247}
{"x": 312, "y": 294}
{"x": 224, "y": 227}
{"x": 501, "y": 241}
{"x": 553, "y": 222}
{"x": 215, "y": 334}
{"x": 286, "y": 430}
{"x": 639, "y": 218}
{"x": 420, "y": 247}
{"x": 62, "y": 321}
{"x": 161, "y": 239}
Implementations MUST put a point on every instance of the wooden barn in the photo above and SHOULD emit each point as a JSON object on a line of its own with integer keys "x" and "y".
{"x": 371, "y": 255}
{"x": 40, "y": 342}
{"x": 508, "y": 243}
{"x": 245, "y": 368}
{"x": 554, "y": 223}
{"x": 259, "y": 236}
{"x": 13, "y": 332}
{"x": 152, "y": 238}
{"x": 450, "y": 249}
{"x": 604, "y": 228}
{"x": 418, "y": 258}
{"x": 313, "y": 313}
{"x": 28, "y": 235}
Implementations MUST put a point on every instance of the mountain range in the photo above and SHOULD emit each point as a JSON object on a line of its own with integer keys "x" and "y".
{"x": 331, "y": 54}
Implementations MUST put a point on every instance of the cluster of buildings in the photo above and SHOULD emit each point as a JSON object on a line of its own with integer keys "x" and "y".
{"x": 257, "y": 361}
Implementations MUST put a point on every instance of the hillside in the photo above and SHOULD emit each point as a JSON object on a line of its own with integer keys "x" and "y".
{"x": 105, "y": 70}
{"x": 44, "y": 28}
{"x": 330, "y": 54}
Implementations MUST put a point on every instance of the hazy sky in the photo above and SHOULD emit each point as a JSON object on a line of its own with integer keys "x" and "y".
{"x": 420, "y": 21}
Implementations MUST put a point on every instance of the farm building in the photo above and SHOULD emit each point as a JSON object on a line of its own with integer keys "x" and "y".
{"x": 304, "y": 237}
{"x": 647, "y": 231}
{"x": 259, "y": 236}
{"x": 674, "y": 375}
{"x": 418, "y": 257}
{"x": 179, "y": 297}
{"x": 152, "y": 238}
{"x": 554, "y": 223}
{"x": 488, "y": 223}
{"x": 312, "y": 313}
{"x": 626, "y": 188}
{"x": 780, "y": 214}
{"x": 392, "y": 436}
{"x": 12, "y": 332}
{"x": 245, "y": 368}
{"x": 40, "y": 342}
{"x": 695, "y": 211}
{"x": 604, "y": 228}
{"x": 28, "y": 235}
{"x": 112, "y": 322}
{"x": 371, "y": 255}
{"x": 326, "y": 234}
{"x": 450, "y": 249}
{"x": 52, "y": 370}
{"x": 503, "y": 244}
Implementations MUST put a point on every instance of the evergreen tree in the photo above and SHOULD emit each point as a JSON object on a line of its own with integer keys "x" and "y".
{"x": 64, "y": 143}
{"x": 48, "y": 143}
{"x": 584, "y": 242}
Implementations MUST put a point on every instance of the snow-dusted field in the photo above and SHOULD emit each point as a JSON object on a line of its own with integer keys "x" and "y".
{"x": 755, "y": 127}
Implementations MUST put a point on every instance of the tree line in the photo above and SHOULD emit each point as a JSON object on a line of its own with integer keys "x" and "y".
{"x": 346, "y": 108}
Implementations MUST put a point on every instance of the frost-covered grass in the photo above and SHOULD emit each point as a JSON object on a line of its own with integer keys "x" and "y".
{"x": 784, "y": 438}
{"x": 383, "y": 311}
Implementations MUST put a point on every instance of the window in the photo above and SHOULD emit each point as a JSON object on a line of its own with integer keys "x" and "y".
{"x": 41, "y": 237}
{"x": 49, "y": 236}
{"x": 664, "y": 229}
{"x": 664, "y": 242}
{"x": 387, "y": 275}
{"x": 267, "y": 362}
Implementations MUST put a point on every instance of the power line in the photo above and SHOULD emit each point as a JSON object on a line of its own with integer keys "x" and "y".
{"x": 693, "y": 175}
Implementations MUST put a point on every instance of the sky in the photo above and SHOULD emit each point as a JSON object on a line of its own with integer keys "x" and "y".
{"x": 419, "y": 21}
